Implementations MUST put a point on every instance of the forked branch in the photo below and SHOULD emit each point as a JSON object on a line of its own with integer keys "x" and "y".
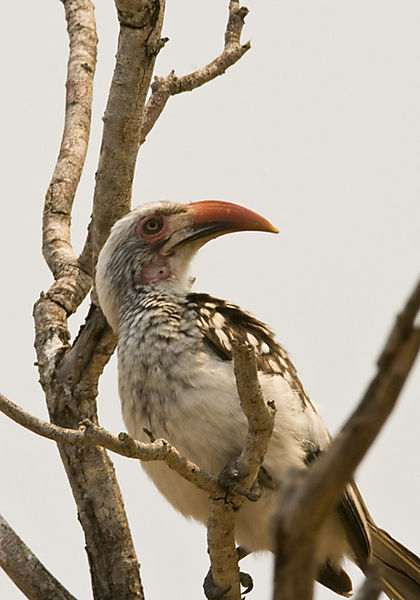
{"x": 223, "y": 506}
{"x": 165, "y": 87}
{"x": 69, "y": 375}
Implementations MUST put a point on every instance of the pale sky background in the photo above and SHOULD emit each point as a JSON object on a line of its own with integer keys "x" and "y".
{"x": 318, "y": 129}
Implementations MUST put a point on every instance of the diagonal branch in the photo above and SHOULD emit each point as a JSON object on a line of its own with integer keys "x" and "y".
{"x": 165, "y": 87}
{"x": 26, "y": 570}
{"x": 90, "y": 434}
{"x": 307, "y": 502}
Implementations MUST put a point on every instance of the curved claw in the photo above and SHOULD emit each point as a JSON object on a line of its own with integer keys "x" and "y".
{"x": 246, "y": 582}
{"x": 211, "y": 591}
{"x": 253, "y": 495}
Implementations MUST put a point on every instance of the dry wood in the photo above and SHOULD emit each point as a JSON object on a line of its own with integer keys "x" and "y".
{"x": 371, "y": 587}
{"x": 165, "y": 87}
{"x": 308, "y": 500}
{"x": 221, "y": 523}
{"x": 25, "y": 569}
{"x": 74, "y": 282}
{"x": 70, "y": 375}
{"x": 138, "y": 45}
{"x": 71, "y": 396}
{"x": 223, "y": 506}
{"x": 88, "y": 434}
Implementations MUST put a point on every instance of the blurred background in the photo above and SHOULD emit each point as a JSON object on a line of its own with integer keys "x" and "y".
{"x": 318, "y": 129}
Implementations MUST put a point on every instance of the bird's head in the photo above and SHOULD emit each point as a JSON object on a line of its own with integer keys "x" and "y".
{"x": 152, "y": 246}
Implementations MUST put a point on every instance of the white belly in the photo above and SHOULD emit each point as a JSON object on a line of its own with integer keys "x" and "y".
{"x": 205, "y": 422}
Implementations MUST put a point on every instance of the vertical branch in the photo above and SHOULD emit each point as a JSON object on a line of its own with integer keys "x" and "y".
{"x": 222, "y": 547}
{"x": 371, "y": 587}
{"x": 70, "y": 378}
{"x": 56, "y": 245}
{"x": 110, "y": 548}
{"x": 138, "y": 45}
{"x": 221, "y": 523}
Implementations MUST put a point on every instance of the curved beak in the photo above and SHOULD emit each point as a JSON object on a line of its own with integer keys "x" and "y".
{"x": 208, "y": 219}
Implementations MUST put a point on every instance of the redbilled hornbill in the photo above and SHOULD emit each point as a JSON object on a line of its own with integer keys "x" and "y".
{"x": 176, "y": 379}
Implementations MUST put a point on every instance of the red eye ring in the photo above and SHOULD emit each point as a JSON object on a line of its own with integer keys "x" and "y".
{"x": 152, "y": 225}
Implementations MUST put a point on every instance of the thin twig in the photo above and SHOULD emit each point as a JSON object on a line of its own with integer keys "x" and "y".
{"x": 26, "y": 570}
{"x": 309, "y": 499}
{"x": 165, "y": 87}
{"x": 90, "y": 434}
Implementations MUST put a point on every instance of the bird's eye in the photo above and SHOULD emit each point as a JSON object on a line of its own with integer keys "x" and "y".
{"x": 152, "y": 225}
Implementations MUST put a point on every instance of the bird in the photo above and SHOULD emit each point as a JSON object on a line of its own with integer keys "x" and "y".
{"x": 176, "y": 379}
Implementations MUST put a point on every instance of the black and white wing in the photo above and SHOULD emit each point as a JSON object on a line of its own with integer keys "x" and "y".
{"x": 222, "y": 322}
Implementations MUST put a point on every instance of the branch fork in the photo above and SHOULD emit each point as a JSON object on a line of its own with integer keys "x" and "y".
{"x": 164, "y": 87}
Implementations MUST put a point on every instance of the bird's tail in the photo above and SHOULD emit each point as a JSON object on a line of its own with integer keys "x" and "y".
{"x": 400, "y": 568}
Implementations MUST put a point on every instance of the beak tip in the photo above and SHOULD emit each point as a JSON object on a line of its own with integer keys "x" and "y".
{"x": 236, "y": 218}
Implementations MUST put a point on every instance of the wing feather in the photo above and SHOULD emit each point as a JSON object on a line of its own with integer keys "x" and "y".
{"x": 221, "y": 322}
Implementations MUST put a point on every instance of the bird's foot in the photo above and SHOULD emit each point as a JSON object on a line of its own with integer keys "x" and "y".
{"x": 213, "y": 592}
{"x": 230, "y": 478}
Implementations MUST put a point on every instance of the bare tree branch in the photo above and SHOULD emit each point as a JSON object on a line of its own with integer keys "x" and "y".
{"x": 165, "y": 87}
{"x": 138, "y": 44}
{"x": 223, "y": 507}
{"x": 69, "y": 375}
{"x": 222, "y": 548}
{"x": 74, "y": 282}
{"x": 90, "y": 434}
{"x": 260, "y": 414}
{"x": 309, "y": 498}
{"x": 113, "y": 562}
{"x": 221, "y": 522}
{"x": 112, "y": 558}
{"x": 25, "y": 569}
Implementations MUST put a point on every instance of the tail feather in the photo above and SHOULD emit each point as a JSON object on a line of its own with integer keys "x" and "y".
{"x": 400, "y": 568}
